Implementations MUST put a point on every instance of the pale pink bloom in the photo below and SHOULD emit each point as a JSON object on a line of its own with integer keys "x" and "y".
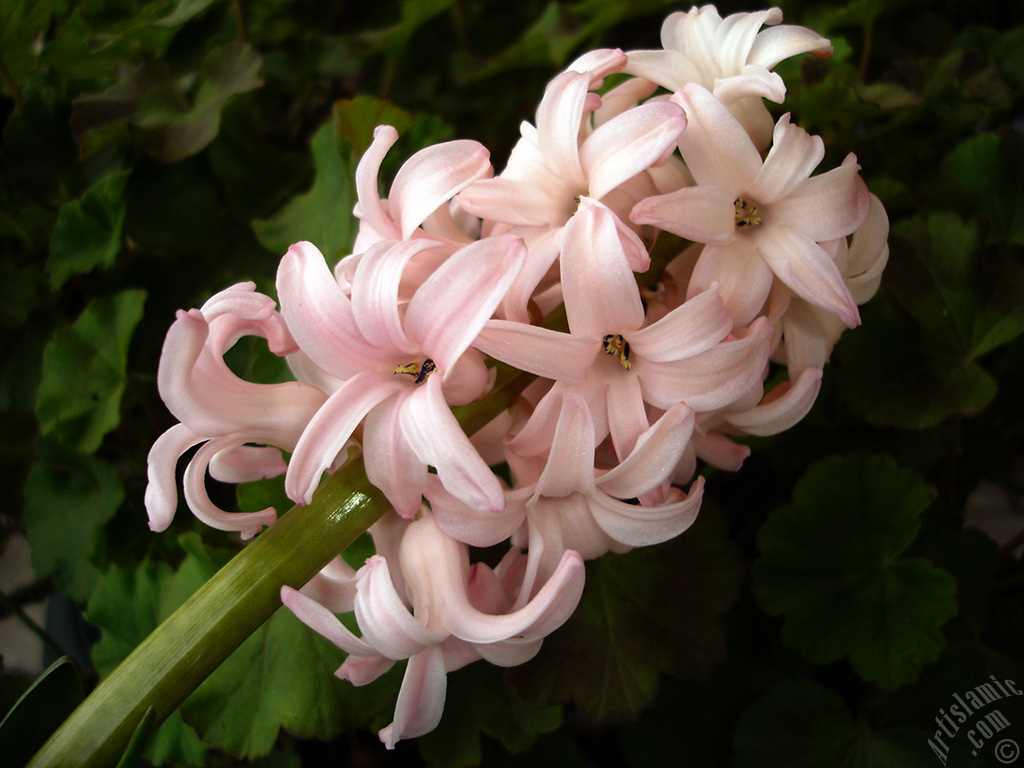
{"x": 761, "y": 219}
{"x": 400, "y": 370}
{"x": 420, "y": 193}
{"x": 446, "y": 615}
{"x": 808, "y": 333}
{"x": 563, "y": 159}
{"x": 243, "y": 424}
{"x": 567, "y": 503}
{"x": 611, "y": 358}
{"x": 730, "y": 57}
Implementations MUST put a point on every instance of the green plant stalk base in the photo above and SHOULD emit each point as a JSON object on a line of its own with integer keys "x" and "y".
{"x": 183, "y": 651}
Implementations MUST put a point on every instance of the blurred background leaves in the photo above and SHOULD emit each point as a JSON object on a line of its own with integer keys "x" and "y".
{"x": 154, "y": 153}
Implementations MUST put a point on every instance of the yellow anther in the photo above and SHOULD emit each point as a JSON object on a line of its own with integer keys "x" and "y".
{"x": 419, "y": 371}
{"x": 617, "y": 347}
{"x": 746, "y": 213}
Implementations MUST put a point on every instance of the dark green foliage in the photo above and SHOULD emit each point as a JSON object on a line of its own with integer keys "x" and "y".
{"x": 817, "y": 614}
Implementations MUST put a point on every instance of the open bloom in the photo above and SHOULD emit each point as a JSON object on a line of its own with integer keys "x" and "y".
{"x": 400, "y": 370}
{"x": 445, "y": 615}
{"x": 730, "y": 57}
{"x": 761, "y": 219}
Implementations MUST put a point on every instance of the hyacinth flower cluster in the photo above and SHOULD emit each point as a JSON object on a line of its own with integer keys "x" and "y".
{"x": 645, "y": 370}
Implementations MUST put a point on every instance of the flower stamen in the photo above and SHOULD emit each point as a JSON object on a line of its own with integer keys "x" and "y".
{"x": 746, "y": 213}
{"x": 617, "y": 347}
{"x": 419, "y": 371}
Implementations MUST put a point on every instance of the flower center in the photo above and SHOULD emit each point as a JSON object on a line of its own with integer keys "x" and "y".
{"x": 617, "y": 347}
{"x": 746, "y": 214}
{"x": 419, "y": 371}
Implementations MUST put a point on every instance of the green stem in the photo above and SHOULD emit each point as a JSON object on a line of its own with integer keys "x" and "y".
{"x": 183, "y": 651}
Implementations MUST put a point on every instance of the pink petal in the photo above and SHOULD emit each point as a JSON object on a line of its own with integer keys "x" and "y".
{"x": 559, "y": 119}
{"x": 508, "y": 201}
{"x": 332, "y": 427}
{"x": 778, "y": 43}
{"x": 782, "y": 411}
{"x": 161, "y": 498}
{"x": 639, "y": 526}
{"x": 825, "y": 207}
{"x": 385, "y": 621}
{"x": 793, "y": 157}
{"x": 369, "y": 207}
{"x": 570, "y": 465}
{"x": 668, "y": 68}
{"x": 540, "y": 351}
{"x": 432, "y": 177}
{"x": 248, "y": 524}
{"x": 437, "y": 439}
{"x": 391, "y": 464}
{"x": 809, "y": 271}
{"x": 655, "y": 456}
{"x": 629, "y": 143}
{"x": 323, "y": 622}
{"x": 716, "y": 148}
{"x": 627, "y": 417}
{"x": 420, "y": 700}
{"x": 712, "y": 379}
{"x": 744, "y": 279}
{"x": 694, "y": 326}
{"x": 449, "y": 309}
{"x": 320, "y": 316}
{"x": 476, "y": 527}
{"x": 247, "y": 463}
{"x": 751, "y": 81}
{"x": 375, "y": 294}
{"x": 704, "y": 214}
{"x": 600, "y": 292}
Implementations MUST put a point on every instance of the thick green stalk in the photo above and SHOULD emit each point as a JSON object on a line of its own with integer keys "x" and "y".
{"x": 183, "y": 651}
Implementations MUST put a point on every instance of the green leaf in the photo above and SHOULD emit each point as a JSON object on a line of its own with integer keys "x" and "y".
{"x": 800, "y": 724}
{"x": 647, "y": 612}
{"x": 323, "y": 215}
{"x": 282, "y": 676}
{"x": 69, "y": 497}
{"x": 84, "y": 366}
{"x": 356, "y": 119}
{"x": 40, "y": 711}
{"x": 127, "y": 606}
{"x": 479, "y": 701}
{"x": 985, "y": 172}
{"x": 830, "y": 565}
{"x": 88, "y": 230}
{"x": 170, "y": 125}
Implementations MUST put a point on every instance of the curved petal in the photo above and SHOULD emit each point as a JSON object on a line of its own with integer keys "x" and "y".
{"x": 704, "y": 214}
{"x": 639, "y": 526}
{"x": 437, "y": 439}
{"x": 508, "y": 201}
{"x": 369, "y": 207}
{"x": 320, "y": 316}
{"x": 775, "y": 44}
{"x": 547, "y": 353}
{"x": 655, "y": 456}
{"x": 809, "y": 271}
{"x": 793, "y": 157}
{"x": 447, "y": 312}
{"x": 559, "y": 119}
{"x": 247, "y": 463}
{"x": 332, "y": 427}
{"x": 669, "y": 69}
{"x": 742, "y": 275}
{"x": 694, "y": 326}
{"x": 475, "y": 527}
{"x": 570, "y": 464}
{"x": 161, "y": 498}
{"x": 716, "y": 148}
{"x": 781, "y": 409}
{"x": 600, "y": 292}
{"x": 324, "y": 623}
{"x": 385, "y": 620}
{"x": 375, "y": 294}
{"x": 248, "y": 524}
{"x": 432, "y": 177}
{"x": 390, "y": 462}
{"x": 629, "y": 143}
{"x": 827, "y": 206}
{"x": 420, "y": 700}
{"x": 712, "y": 379}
